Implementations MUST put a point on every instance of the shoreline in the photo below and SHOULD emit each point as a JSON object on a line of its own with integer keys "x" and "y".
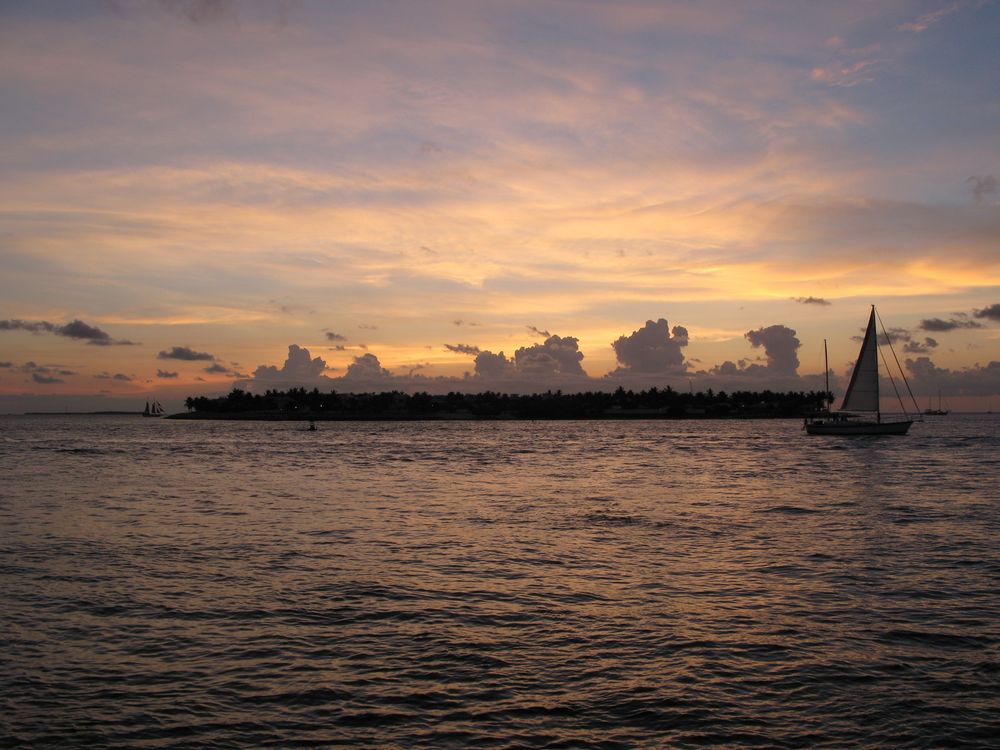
{"x": 454, "y": 417}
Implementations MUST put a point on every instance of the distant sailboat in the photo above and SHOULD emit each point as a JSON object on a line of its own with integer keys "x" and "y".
{"x": 860, "y": 414}
{"x": 939, "y": 412}
{"x": 153, "y": 410}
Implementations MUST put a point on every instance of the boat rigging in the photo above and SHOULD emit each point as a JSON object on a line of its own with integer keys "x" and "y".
{"x": 861, "y": 411}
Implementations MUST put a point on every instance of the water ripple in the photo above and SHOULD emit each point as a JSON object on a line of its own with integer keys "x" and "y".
{"x": 502, "y": 585}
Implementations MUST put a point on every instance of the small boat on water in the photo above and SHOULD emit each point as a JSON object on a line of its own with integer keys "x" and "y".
{"x": 861, "y": 413}
{"x": 939, "y": 412}
{"x": 153, "y": 410}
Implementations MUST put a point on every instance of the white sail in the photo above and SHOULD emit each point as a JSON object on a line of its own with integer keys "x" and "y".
{"x": 862, "y": 393}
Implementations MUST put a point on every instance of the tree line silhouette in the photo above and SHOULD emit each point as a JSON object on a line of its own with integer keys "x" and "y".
{"x": 655, "y": 403}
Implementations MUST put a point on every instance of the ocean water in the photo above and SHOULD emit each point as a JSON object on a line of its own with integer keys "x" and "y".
{"x": 498, "y": 584}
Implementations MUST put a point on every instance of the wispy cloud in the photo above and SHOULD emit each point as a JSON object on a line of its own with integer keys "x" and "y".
{"x": 983, "y": 188}
{"x": 954, "y": 323}
{"x": 49, "y": 369}
{"x": 845, "y": 74}
{"x": 75, "y": 329}
{"x": 463, "y": 349}
{"x": 913, "y": 346}
{"x": 927, "y": 20}
{"x": 220, "y": 369}
{"x": 119, "y": 376}
{"x": 201, "y": 11}
{"x": 41, "y": 374}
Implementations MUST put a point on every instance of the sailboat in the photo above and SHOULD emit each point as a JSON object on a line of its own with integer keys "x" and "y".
{"x": 860, "y": 413}
{"x": 939, "y": 412}
{"x": 153, "y": 410}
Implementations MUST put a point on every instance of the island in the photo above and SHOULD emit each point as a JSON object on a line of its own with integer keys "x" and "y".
{"x": 654, "y": 403}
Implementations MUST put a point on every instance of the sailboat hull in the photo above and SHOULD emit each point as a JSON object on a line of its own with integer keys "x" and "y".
{"x": 858, "y": 428}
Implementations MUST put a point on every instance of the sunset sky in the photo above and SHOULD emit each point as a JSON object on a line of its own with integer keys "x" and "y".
{"x": 193, "y": 194}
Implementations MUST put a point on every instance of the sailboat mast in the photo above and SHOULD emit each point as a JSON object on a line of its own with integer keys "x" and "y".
{"x": 826, "y": 371}
{"x": 878, "y": 396}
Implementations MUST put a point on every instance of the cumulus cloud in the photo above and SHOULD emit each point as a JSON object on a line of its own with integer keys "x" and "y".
{"x": 972, "y": 381}
{"x": 366, "y": 368}
{"x": 652, "y": 349}
{"x": 648, "y": 357}
{"x": 539, "y": 332}
{"x": 75, "y": 329}
{"x": 490, "y": 365}
{"x": 557, "y": 355}
{"x": 553, "y": 363}
{"x": 331, "y": 336}
{"x": 299, "y": 369}
{"x": 463, "y": 349}
{"x": 811, "y": 301}
{"x": 992, "y": 312}
{"x": 165, "y": 374}
{"x": 782, "y": 362}
{"x": 780, "y": 347}
{"x": 45, "y": 379}
{"x": 186, "y": 354}
{"x": 940, "y": 326}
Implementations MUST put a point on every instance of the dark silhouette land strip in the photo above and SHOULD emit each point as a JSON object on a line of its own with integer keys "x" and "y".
{"x": 655, "y": 403}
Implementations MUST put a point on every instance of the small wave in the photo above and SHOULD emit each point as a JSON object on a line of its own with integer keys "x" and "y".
{"x": 782, "y": 570}
{"x": 935, "y": 638}
{"x": 613, "y": 519}
{"x": 791, "y": 510}
{"x": 74, "y": 451}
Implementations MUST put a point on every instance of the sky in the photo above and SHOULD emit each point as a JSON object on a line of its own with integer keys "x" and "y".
{"x": 518, "y": 195}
